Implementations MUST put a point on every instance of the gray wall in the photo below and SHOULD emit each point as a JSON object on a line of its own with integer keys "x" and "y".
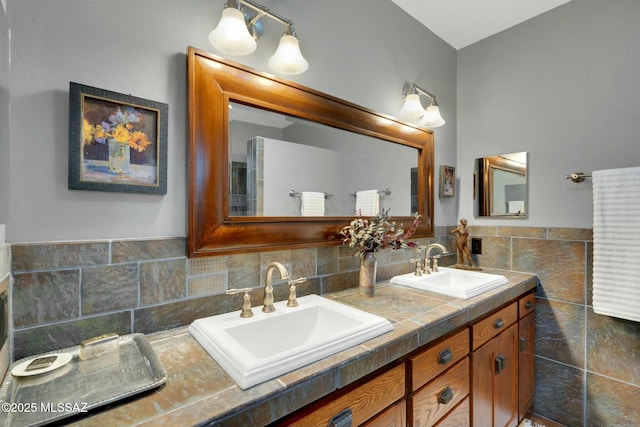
{"x": 565, "y": 87}
{"x": 4, "y": 115}
{"x": 139, "y": 48}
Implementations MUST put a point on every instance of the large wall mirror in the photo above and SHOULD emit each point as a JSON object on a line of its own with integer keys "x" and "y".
{"x": 261, "y": 146}
{"x": 501, "y": 186}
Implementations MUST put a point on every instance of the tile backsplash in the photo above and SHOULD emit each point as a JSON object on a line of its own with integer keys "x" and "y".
{"x": 65, "y": 292}
{"x": 586, "y": 364}
{"x": 587, "y": 371}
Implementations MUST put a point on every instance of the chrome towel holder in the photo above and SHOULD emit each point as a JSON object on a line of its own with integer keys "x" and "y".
{"x": 578, "y": 176}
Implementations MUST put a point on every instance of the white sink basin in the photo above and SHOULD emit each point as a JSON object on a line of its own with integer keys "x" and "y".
{"x": 267, "y": 345}
{"x": 452, "y": 281}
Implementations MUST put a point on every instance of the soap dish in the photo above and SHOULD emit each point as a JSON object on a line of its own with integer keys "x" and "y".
{"x": 49, "y": 363}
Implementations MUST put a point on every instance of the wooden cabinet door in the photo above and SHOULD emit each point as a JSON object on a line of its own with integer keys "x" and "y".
{"x": 494, "y": 387}
{"x": 526, "y": 371}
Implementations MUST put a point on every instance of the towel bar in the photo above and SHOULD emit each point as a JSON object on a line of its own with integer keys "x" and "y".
{"x": 293, "y": 193}
{"x": 386, "y": 192}
{"x": 578, "y": 176}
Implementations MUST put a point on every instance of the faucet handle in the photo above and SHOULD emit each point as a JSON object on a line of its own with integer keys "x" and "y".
{"x": 246, "y": 301}
{"x": 293, "y": 302}
{"x": 418, "y": 263}
{"x": 435, "y": 263}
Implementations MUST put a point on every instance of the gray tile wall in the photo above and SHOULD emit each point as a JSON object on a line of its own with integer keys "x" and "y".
{"x": 587, "y": 369}
{"x": 587, "y": 365}
{"x": 65, "y": 292}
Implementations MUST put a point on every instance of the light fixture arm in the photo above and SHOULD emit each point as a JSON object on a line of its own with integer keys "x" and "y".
{"x": 414, "y": 88}
{"x": 261, "y": 12}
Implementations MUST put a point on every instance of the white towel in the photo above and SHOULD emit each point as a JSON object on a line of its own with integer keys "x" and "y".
{"x": 312, "y": 203}
{"x": 367, "y": 203}
{"x": 616, "y": 243}
{"x": 516, "y": 207}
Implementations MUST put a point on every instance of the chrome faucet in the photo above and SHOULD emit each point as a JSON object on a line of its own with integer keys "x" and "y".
{"x": 267, "y": 303}
{"x": 427, "y": 257}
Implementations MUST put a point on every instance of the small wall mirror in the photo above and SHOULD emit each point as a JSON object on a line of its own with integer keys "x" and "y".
{"x": 500, "y": 186}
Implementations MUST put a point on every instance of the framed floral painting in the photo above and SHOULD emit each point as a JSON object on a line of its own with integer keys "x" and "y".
{"x": 447, "y": 181}
{"x": 117, "y": 142}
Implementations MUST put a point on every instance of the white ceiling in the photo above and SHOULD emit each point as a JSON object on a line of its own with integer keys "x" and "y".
{"x": 464, "y": 22}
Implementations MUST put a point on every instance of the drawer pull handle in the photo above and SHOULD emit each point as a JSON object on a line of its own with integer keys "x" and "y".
{"x": 528, "y": 305}
{"x": 343, "y": 419}
{"x": 523, "y": 343}
{"x": 445, "y": 357}
{"x": 446, "y": 396}
{"x": 499, "y": 363}
{"x": 499, "y": 323}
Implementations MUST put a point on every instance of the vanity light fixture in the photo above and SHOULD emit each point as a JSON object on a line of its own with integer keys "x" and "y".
{"x": 236, "y": 34}
{"x": 413, "y": 108}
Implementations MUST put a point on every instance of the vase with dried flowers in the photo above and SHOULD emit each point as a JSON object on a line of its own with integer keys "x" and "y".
{"x": 368, "y": 236}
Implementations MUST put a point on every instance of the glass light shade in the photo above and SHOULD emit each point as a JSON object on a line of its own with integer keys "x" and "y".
{"x": 432, "y": 117}
{"x": 412, "y": 107}
{"x": 288, "y": 59}
{"x": 231, "y": 36}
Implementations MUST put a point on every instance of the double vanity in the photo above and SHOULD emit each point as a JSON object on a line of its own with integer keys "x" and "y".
{"x": 420, "y": 372}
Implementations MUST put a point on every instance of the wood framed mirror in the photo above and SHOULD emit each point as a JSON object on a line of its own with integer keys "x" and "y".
{"x": 215, "y": 85}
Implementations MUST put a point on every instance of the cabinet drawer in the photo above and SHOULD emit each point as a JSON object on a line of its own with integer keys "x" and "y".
{"x": 394, "y": 416}
{"x": 365, "y": 401}
{"x": 526, "y": 304}
{"x": 425, "y": 366}
{"x": 459, "y": 417}
{"x": 433, "y": 401}
{"x": 488, "y": 328}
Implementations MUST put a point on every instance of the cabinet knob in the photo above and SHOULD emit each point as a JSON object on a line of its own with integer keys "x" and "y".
{"x": 499, "y": 323}
{"x": 528, "y": 305}
{"x": 445, "y": 357}
{"x": 446, "y": 396}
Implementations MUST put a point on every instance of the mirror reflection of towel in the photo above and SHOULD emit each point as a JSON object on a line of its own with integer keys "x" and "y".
{"x": 312, "y": 203}
{"x": 516, "y": 207}
{"x": 367, "y": 203}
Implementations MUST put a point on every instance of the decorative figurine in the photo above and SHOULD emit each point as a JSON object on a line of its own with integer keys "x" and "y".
{"x": 461, "y": 244}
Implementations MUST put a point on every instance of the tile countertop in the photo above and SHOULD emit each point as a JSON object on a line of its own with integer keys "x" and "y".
{"x": 199, "y": 392}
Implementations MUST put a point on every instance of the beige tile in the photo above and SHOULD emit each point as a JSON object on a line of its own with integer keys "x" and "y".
{"x": 571, "y": 233}
{"x": 537, "y": 232}
{"x": 613, "y": 347}
{"x": 482, "y": 230}
{"x": 611, "y": 403}
{"x": 558, "y": 263}
{"x": 496, "y": 253}
{"x": 206, "y": 265}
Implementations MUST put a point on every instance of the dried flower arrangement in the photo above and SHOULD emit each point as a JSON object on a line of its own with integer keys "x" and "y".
{"x": 371, "y": 235}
